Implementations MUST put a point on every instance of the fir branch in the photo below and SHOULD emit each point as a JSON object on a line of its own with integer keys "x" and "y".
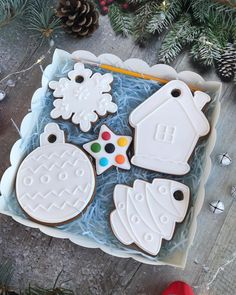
{"x": 42, "y": 19}
{"x": 181, "y": 34}
{"x": 233, "y": 34}
{"x": 205, "y": 10}
{"x": 6, "y": 272}
{"x": 11, "y": 9}
{"x": 137, "y": 2}
{"x": 163, "y": 16}
{"x": 121, "y": 21}
{"x": 206, "y": 49}
{"x": 227, "y": 2}
{"x": 142, "y": 17}
{"x": 221, "y": 34}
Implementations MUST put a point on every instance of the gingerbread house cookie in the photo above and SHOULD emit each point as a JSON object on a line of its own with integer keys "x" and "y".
{"x": 167, "y": 127}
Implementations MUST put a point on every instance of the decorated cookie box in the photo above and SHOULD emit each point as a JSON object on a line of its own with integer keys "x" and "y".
{"x": 113, "y": 161}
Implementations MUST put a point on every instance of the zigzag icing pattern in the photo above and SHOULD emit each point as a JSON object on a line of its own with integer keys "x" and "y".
{"x": 56, "y": 181}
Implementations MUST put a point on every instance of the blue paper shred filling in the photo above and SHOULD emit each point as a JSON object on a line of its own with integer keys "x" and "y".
{"x": 128, "y": 93}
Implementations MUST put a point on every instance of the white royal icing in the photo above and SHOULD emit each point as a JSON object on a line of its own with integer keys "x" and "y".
{"x": 56, "y": 181}
{"x": 105, "y": 159}
{"x": 83, "y": 100}
{"x": 167, "y": 128}
{"x": 147, "y": 212}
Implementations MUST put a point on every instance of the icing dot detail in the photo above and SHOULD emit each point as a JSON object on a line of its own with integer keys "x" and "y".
{"x": 121, "y": 206}
{"x": 28, "y": 180}
{"x": 95, "y": 147}
{"x": 62, "y": 176}
{"x": 120, "y": 159}
{"x": 45, "y": 179}
{"x": 79, "y": 172}
{"x": 103, "y": 162}
{"x": 109, "y": 148}
{"x": 122, "y": 141}
{"x": 148, "y": 237}
{"x": 139, "y": 197}
{"x": 106, "y": 135}
{"x": 163, "y": 190}
{"x": 135, "y": 219}
{"x": 164, "y": 219}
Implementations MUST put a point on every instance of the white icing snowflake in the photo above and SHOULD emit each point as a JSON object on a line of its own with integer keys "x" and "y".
{"x": 84, "y": 96}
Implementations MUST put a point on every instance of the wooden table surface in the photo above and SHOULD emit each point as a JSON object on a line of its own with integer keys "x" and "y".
{"x": 211, "y": 265}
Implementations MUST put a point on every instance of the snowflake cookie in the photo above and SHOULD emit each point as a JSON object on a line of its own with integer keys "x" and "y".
{"x": 147, "y": 212}
{"x": 109, "y": 150}
{"x": 83, "y": 96}
{"x": 56, "y": 181}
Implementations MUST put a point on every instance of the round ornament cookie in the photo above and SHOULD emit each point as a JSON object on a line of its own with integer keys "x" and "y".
{"x": 56, "y": 181}
{"x": 83, "y": 97}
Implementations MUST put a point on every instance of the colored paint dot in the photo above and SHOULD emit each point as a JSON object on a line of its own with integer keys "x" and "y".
{"x": 103, "y": 162}
{"x": 95, "y": 147}
{"x": 122, "y": 141}
{"x": 106, "y": 135}
{"x": 120, "y": 159}
{"x": 109, "y": 148}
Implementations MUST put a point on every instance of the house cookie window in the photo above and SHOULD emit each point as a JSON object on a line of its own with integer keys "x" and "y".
{"x": 164, "y": 133}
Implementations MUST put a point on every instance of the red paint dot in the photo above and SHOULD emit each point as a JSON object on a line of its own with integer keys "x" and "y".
{"x": 120, "y": 159}
{"x": 106, "y": 135}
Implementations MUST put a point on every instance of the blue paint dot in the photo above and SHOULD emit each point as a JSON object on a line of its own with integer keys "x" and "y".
{"x": 103, "y": 162}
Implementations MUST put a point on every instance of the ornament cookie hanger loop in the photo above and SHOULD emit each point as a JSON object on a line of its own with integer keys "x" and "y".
{"x": 129, "y": 73}
{"x": 52, "y": 134}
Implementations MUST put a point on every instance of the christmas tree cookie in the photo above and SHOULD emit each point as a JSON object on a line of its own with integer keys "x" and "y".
{"x": 147, "y": 212}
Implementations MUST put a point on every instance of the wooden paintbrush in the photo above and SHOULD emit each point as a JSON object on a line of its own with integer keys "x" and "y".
{"x": 129, "y": 73}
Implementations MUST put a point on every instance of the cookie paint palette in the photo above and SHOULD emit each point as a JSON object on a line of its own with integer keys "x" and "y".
{"x": 109, "y": 150}
{"x": 106, "y": 139}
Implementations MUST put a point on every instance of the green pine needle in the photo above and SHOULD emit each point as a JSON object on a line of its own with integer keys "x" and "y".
{"x": 137, "y": 2}
{"x": 6, "y": 273}
{"x": 121, "y": 22}
{"x": 143, "y": 15}
{"x": 205, "y": 10}
{"x": 207, "y": 48}
{"x": 181, "y": 34}
{"x": 163, "y": 16}
{"x": 42, "y": 19}
{"x": 11, "y": 9}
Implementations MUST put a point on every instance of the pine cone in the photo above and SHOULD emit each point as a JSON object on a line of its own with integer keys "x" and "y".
{"x": 79, "y": 17}
{"x": 226, "y": 66}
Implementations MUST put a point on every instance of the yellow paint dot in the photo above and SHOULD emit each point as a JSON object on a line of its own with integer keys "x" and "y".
{"x": 122, "y": 141}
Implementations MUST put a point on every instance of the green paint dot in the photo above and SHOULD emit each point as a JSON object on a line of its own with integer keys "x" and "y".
{"x": 95, "y": 147}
